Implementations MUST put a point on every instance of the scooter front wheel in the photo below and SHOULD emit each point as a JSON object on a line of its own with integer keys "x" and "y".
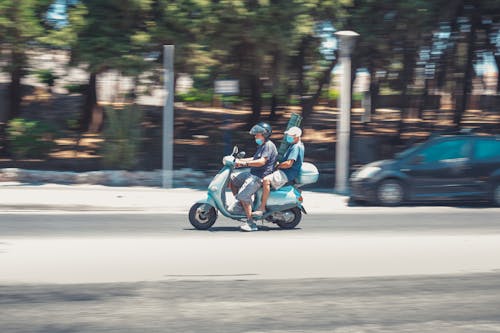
{"x": 202, "y": 216}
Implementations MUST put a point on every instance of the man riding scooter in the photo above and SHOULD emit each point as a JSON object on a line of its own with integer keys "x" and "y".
{"x": 245, "y": 184}
{"x": 287, "y": 170}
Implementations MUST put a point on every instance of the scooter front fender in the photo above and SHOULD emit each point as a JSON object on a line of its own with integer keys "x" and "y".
{"x": 209, "y": 201}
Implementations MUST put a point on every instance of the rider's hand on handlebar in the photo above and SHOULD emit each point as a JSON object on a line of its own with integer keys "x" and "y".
{"x": 239, "y": 164}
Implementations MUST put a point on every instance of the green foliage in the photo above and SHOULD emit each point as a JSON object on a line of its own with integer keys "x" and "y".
{"x": 46, "y": 76}
{"x": 30, "y": 138}
{"x": 294, "y": 101}
{"x": 76, "y": 88}
{"x": 232, "y": 99}
{"x": 196, "y": 95}
{"x": 123, "y": 137}
{"x": 110, "y": 35}
{"x": 72, "y": 123}
{"x": 21, "y": 24}
{"x": 333, "y": 94}
{"x": 357, "y": 96}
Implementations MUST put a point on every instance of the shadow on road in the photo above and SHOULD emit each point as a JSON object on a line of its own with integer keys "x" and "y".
{"x": 237, "y": 229}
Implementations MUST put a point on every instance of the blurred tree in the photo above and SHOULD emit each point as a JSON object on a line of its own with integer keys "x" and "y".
{"x": 237, "y": 30}
{"x": 106, "y": 35}
{"x": 181, "y": 23}
{"x": 472, "y": 30}
{"x": 312, "y": 55}
{"x": 277, "y": 42}
{"x": 392, "y": 34}
{"x": 21, "y": 22}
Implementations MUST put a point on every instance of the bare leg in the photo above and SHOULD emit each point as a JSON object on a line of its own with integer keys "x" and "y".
{"x": 266, "y": 189}
{"x": 248, "y": 209}
{"x": 233, "y": 188}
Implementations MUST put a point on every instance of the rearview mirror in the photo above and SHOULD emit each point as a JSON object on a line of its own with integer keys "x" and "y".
{"x": 241, "y": 154}
{"x": 235, "y": 150}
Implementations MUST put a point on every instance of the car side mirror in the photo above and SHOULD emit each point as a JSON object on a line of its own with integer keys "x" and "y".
{"x": 241, "y": 154}
{"x": 419, "y": 159}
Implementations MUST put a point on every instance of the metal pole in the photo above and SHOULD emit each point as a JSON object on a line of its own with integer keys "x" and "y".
{"x": 343, "y": 128}
{"x": 168, "y": 117}
{"x": 343, "y": 123}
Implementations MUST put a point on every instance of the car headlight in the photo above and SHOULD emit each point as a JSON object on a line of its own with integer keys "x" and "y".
{"x": 367, "y": 172}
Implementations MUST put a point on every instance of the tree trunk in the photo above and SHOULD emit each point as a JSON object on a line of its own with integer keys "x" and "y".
{"x": 275, "y": 86}
{"x": 309, "y": 103}
{"x": 374, "y": 91}
{"x": 15, "y": 94}
{"x": 406, "y": 75}
{"x": 300, "y": 63}
{"x": 255, "y": 98}
{"x": 274, "y": 107}
{"x": 90, "y": 104}
{"x": 423, "y": 99}
{"x": 461, "y": 106}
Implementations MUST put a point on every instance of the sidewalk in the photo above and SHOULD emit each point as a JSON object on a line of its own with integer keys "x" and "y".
{"x": 15, "y": 197}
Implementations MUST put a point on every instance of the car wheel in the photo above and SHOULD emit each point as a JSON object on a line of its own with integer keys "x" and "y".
{"x": 390, "y": 192}
{"x": 496, "y": 194}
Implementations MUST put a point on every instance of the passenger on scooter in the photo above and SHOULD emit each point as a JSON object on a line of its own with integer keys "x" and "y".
{"x": 287, "y": 170}
{"x": 245, "y": 184}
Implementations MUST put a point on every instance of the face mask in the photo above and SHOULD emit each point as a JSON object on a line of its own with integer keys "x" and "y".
{"x": 289, "y": 139}
{"x": 259, "y": 141}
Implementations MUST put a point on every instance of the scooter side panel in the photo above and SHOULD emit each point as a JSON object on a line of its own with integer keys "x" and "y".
{"x": 283, "y": 196}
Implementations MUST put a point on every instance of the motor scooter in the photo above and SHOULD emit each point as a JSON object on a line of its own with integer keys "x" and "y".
{"x": 284, "y": 205}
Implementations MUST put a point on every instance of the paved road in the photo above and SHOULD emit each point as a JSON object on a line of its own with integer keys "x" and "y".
{"x": 448, "y": 304}
{"x": 407, "y": 220}
{"x": 412, "y": 270}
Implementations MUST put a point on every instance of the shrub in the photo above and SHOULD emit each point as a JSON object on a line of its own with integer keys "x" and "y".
{"x": 122, "y": 137}
{"x": 232, "y": 99}
{"x": 46, "y": 76}
{"x": 30, "y": 138}
{"x": 196, "y": 95}
{"x": 357, "y": 96}
{"x": 333, "y": 94}
{"x": 76, "y": 88}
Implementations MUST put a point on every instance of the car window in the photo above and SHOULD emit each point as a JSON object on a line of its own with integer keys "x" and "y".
{"x": 446, "y": 150}
{"x": 487, "y": 149}
{"x": 409, "y": 151}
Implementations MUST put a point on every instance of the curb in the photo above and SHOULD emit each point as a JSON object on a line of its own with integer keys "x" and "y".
{"x": 119, "y": 178}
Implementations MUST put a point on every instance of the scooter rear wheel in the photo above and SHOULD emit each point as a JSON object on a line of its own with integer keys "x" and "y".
{"x": 291, "y": 218}
{"x": 202, "y": 216}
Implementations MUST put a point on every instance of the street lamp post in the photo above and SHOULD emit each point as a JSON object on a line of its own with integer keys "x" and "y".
{"x": 168, "y": 117}
{"x": 346, "y": 40}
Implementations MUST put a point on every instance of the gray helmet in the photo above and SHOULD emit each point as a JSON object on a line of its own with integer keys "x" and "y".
{"x": 263, "y": 128}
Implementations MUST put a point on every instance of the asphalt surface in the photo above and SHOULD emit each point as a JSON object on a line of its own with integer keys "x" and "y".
{"x": 405, "y": 220}
{"x": 422, "y": 299}
{"x": 454, "y": 304}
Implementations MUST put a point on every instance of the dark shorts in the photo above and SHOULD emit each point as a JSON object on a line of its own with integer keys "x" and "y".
{"x": 247, "y": 184}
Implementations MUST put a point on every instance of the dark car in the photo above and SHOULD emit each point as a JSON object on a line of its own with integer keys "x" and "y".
{"x": 446, "y": 167}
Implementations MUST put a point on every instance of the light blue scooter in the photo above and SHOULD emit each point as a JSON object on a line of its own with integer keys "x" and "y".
{"x": 284, "y": 206}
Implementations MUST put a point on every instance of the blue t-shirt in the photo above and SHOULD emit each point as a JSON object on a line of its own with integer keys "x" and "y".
{"x": 294, "y": 152}
{"x": 269, "y": 151}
